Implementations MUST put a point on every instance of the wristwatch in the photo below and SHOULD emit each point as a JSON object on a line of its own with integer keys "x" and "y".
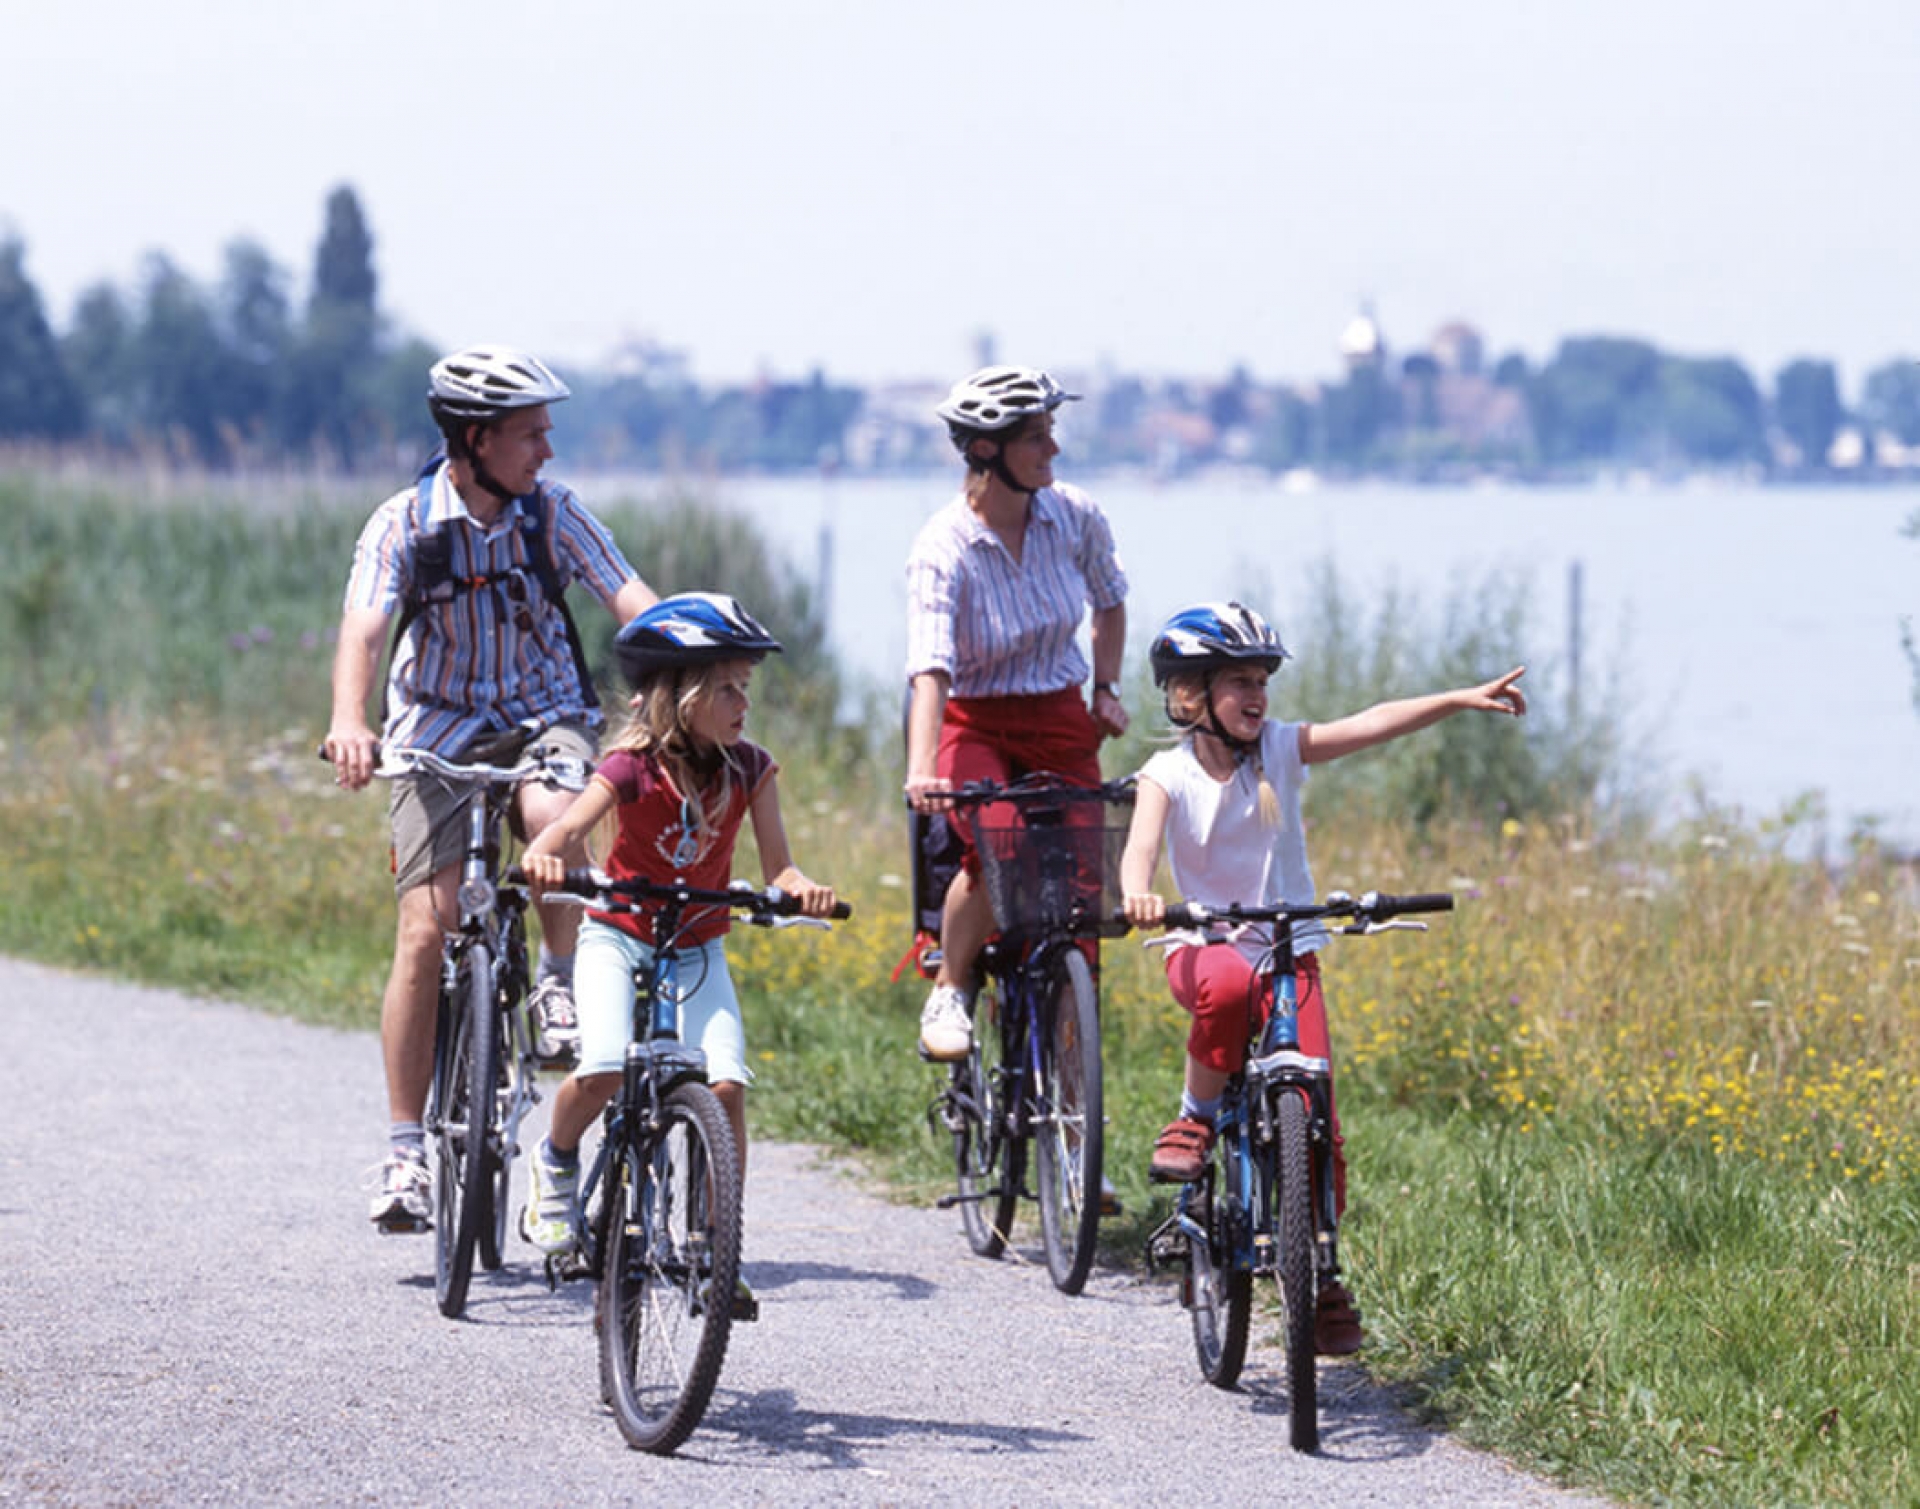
{"x": 1111, "y": 688}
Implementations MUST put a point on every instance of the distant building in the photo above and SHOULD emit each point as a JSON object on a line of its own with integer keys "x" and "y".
{"x": 1457, "y": 347}
{"x": 1362, "y": 347}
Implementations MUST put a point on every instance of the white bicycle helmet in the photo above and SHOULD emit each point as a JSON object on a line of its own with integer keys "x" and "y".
{"x": 996, "y": 397}
{"x": 484, "y": 382}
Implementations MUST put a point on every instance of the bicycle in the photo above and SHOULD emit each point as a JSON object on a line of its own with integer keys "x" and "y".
{"x": 1264, "y": 1207}
{"x": 1033, "y": 1072}
{"x": 481, "y": 1034}
{"x": 657, "y": 1219}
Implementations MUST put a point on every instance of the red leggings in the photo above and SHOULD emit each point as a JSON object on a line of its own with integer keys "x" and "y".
{"x": 1216, "y": 983}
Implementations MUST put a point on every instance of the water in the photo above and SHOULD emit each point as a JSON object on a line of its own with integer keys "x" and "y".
{"x": 1755, "y": 632}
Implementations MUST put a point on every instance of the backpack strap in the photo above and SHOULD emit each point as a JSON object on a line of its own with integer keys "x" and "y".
{"x": 434, "y": 581}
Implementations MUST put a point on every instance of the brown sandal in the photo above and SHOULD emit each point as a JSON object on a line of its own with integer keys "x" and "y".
{"x": 1336, "y": 1323}
{"x": 1180, "y": 1152}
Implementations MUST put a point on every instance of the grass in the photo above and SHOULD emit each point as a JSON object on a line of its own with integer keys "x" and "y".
{"x": 1635, "y": 1191}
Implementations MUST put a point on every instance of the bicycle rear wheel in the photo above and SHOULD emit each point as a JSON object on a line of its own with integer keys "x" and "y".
{"x": 988, "y": 1159}
{"x": 665, "y": 1304}
{"x": 1293, "y": 1202}
{"x": 462, "y": 1175}
{"x": 1068, "y": 1123}
{"x": 1219, "y": 1280}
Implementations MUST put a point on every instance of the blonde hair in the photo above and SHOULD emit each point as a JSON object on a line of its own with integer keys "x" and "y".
{"x": 1188, "y": 701}
{"x": 661, "y": 724}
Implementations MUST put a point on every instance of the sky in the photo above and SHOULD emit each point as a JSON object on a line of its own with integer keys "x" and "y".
{"x": 779, "y": 186}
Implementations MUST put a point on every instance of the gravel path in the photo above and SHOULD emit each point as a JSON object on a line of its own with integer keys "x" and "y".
{"x": 193, "y": 1309}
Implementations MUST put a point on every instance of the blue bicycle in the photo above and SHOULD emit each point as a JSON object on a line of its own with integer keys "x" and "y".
{"x": 1264, "y": 1207}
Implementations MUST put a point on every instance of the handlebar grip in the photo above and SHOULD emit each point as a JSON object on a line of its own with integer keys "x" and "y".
{"x": 1424, "y": 901}
{"x": 841, "y": 910}
{"x": 1186, "y": 914}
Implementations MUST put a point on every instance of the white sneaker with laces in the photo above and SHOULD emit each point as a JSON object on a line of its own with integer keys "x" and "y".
{"x": 556, "y": 1028}
{"x": 403, "y": 1201}
{"x": 547, "y": 1218}
{"x": 946, "y": 1024}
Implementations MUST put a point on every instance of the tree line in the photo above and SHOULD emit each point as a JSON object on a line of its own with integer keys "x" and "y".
{"x": 240, "y": 371}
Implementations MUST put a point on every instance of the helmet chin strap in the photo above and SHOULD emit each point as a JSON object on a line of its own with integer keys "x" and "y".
{"x": 997, "y": 468}
{"x": 479, "y": 471}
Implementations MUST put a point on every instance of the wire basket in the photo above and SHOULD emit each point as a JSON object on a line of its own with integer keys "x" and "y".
{"x": 1041, "y": 878}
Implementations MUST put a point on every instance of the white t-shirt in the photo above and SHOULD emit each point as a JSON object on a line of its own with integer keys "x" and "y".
{"x": 1218, "y": 849}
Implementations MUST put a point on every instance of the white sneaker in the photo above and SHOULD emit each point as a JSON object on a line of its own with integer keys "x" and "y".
{"x": 547, "y": 1218}
{"x": 556, "y": 1028}
{"x": 946, "y": 1024}
{"x": 404, "y": 1200}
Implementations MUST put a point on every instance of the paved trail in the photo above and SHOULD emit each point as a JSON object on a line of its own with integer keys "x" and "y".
{"x": 193, "y": 1309}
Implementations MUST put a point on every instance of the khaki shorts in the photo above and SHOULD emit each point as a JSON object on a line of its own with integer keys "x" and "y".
{"x": 429, "y": 821}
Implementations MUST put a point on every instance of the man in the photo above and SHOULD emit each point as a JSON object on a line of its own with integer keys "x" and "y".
{"x": 473, "y": 558}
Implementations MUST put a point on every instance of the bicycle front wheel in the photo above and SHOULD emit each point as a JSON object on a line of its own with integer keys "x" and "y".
{"x": 1219, "y": 1276}
{"x": 987, "y": 1158}
{"x": 672, "y": 1264}
{"x": 1293, "y": 1202}
{"x": 462, "y": 1182}
{"x": 1068, "y": 1126}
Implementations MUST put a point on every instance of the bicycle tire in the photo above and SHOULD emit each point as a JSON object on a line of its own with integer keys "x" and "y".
{"x": 1293, "y": 1202}
{"x": 463, "y": 1186}
{"x": 510, "y": 995}
{"x": 664, "y": 1309}
{"x": 988, "y": 1159}
{"x": 1069, "y": 1128}
{"x": 1219, "y": 1275}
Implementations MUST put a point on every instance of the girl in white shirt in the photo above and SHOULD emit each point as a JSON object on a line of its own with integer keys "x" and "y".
{"x": 1225, "y": 804}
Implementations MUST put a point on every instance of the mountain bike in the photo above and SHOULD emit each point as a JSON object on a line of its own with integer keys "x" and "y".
{"x": 484, "y": 1069}
{"x": 1049, "y": 860}
{"x": 1264, "y": 1207}
{"x": 657, "y": 1219}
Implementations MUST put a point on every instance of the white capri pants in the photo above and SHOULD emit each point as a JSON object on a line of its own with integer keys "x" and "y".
{"x": 604, "y": 961}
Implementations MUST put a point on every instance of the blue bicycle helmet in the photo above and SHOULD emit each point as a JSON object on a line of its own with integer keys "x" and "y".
{"x": 690, "y": 628}
{"x": 1209, "y": 636}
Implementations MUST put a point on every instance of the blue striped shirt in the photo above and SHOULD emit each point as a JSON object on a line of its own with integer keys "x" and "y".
{"x": 1000, "y": 628}
{"x": 494, "y": 654}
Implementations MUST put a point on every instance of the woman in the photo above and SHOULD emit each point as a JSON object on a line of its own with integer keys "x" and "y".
{"x": 997, "y": 583}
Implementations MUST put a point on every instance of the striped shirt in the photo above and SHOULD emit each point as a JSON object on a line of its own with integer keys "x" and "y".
{"x": 1001, "y": 628}
{"x": 495, "y": 654}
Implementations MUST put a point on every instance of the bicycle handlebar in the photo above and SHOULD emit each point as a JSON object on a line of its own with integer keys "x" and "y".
{"x": 568, "y": 770}
{"x": 1036, "y": 790}
{"x": 609, "y": 894}
{"x": 1366, "y": 910}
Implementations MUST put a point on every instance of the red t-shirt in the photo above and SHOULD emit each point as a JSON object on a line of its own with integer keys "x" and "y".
{"x": 654, "y": 842}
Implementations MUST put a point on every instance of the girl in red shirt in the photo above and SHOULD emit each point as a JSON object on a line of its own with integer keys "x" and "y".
{"x": 679, "y": 781}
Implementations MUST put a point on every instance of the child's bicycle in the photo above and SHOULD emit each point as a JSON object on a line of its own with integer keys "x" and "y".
{"x": 1265, "y": 1205}
{"x": 1033, "y": 1072}
{"x": 484, "y": 1068}
{"x": 658, "y": 1215}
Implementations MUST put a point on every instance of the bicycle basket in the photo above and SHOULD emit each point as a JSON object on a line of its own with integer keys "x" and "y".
{"x": 1038, "y": 876}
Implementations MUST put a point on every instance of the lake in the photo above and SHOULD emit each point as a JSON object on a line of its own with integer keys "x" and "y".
{"x": 1755, "y": 632}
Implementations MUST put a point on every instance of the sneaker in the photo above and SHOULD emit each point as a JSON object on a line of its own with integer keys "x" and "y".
{"x": 1180, "y": 1152}
{"x": 546, "y": 1220}
{"x": 404, "y": 1200}
{"x": 1336, "y": 1323}
{"x": 556, "y": 1029}
{"x": 946, "y": 1025}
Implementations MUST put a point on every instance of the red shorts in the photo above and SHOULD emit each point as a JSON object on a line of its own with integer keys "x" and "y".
{"x": 1004, "y": 738}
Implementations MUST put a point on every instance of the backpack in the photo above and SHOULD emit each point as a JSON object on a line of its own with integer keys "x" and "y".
{"x": 435, "y": 582}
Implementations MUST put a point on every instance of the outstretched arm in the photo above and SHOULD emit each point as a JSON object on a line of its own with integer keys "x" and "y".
{"x": 1320, "y": 742}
